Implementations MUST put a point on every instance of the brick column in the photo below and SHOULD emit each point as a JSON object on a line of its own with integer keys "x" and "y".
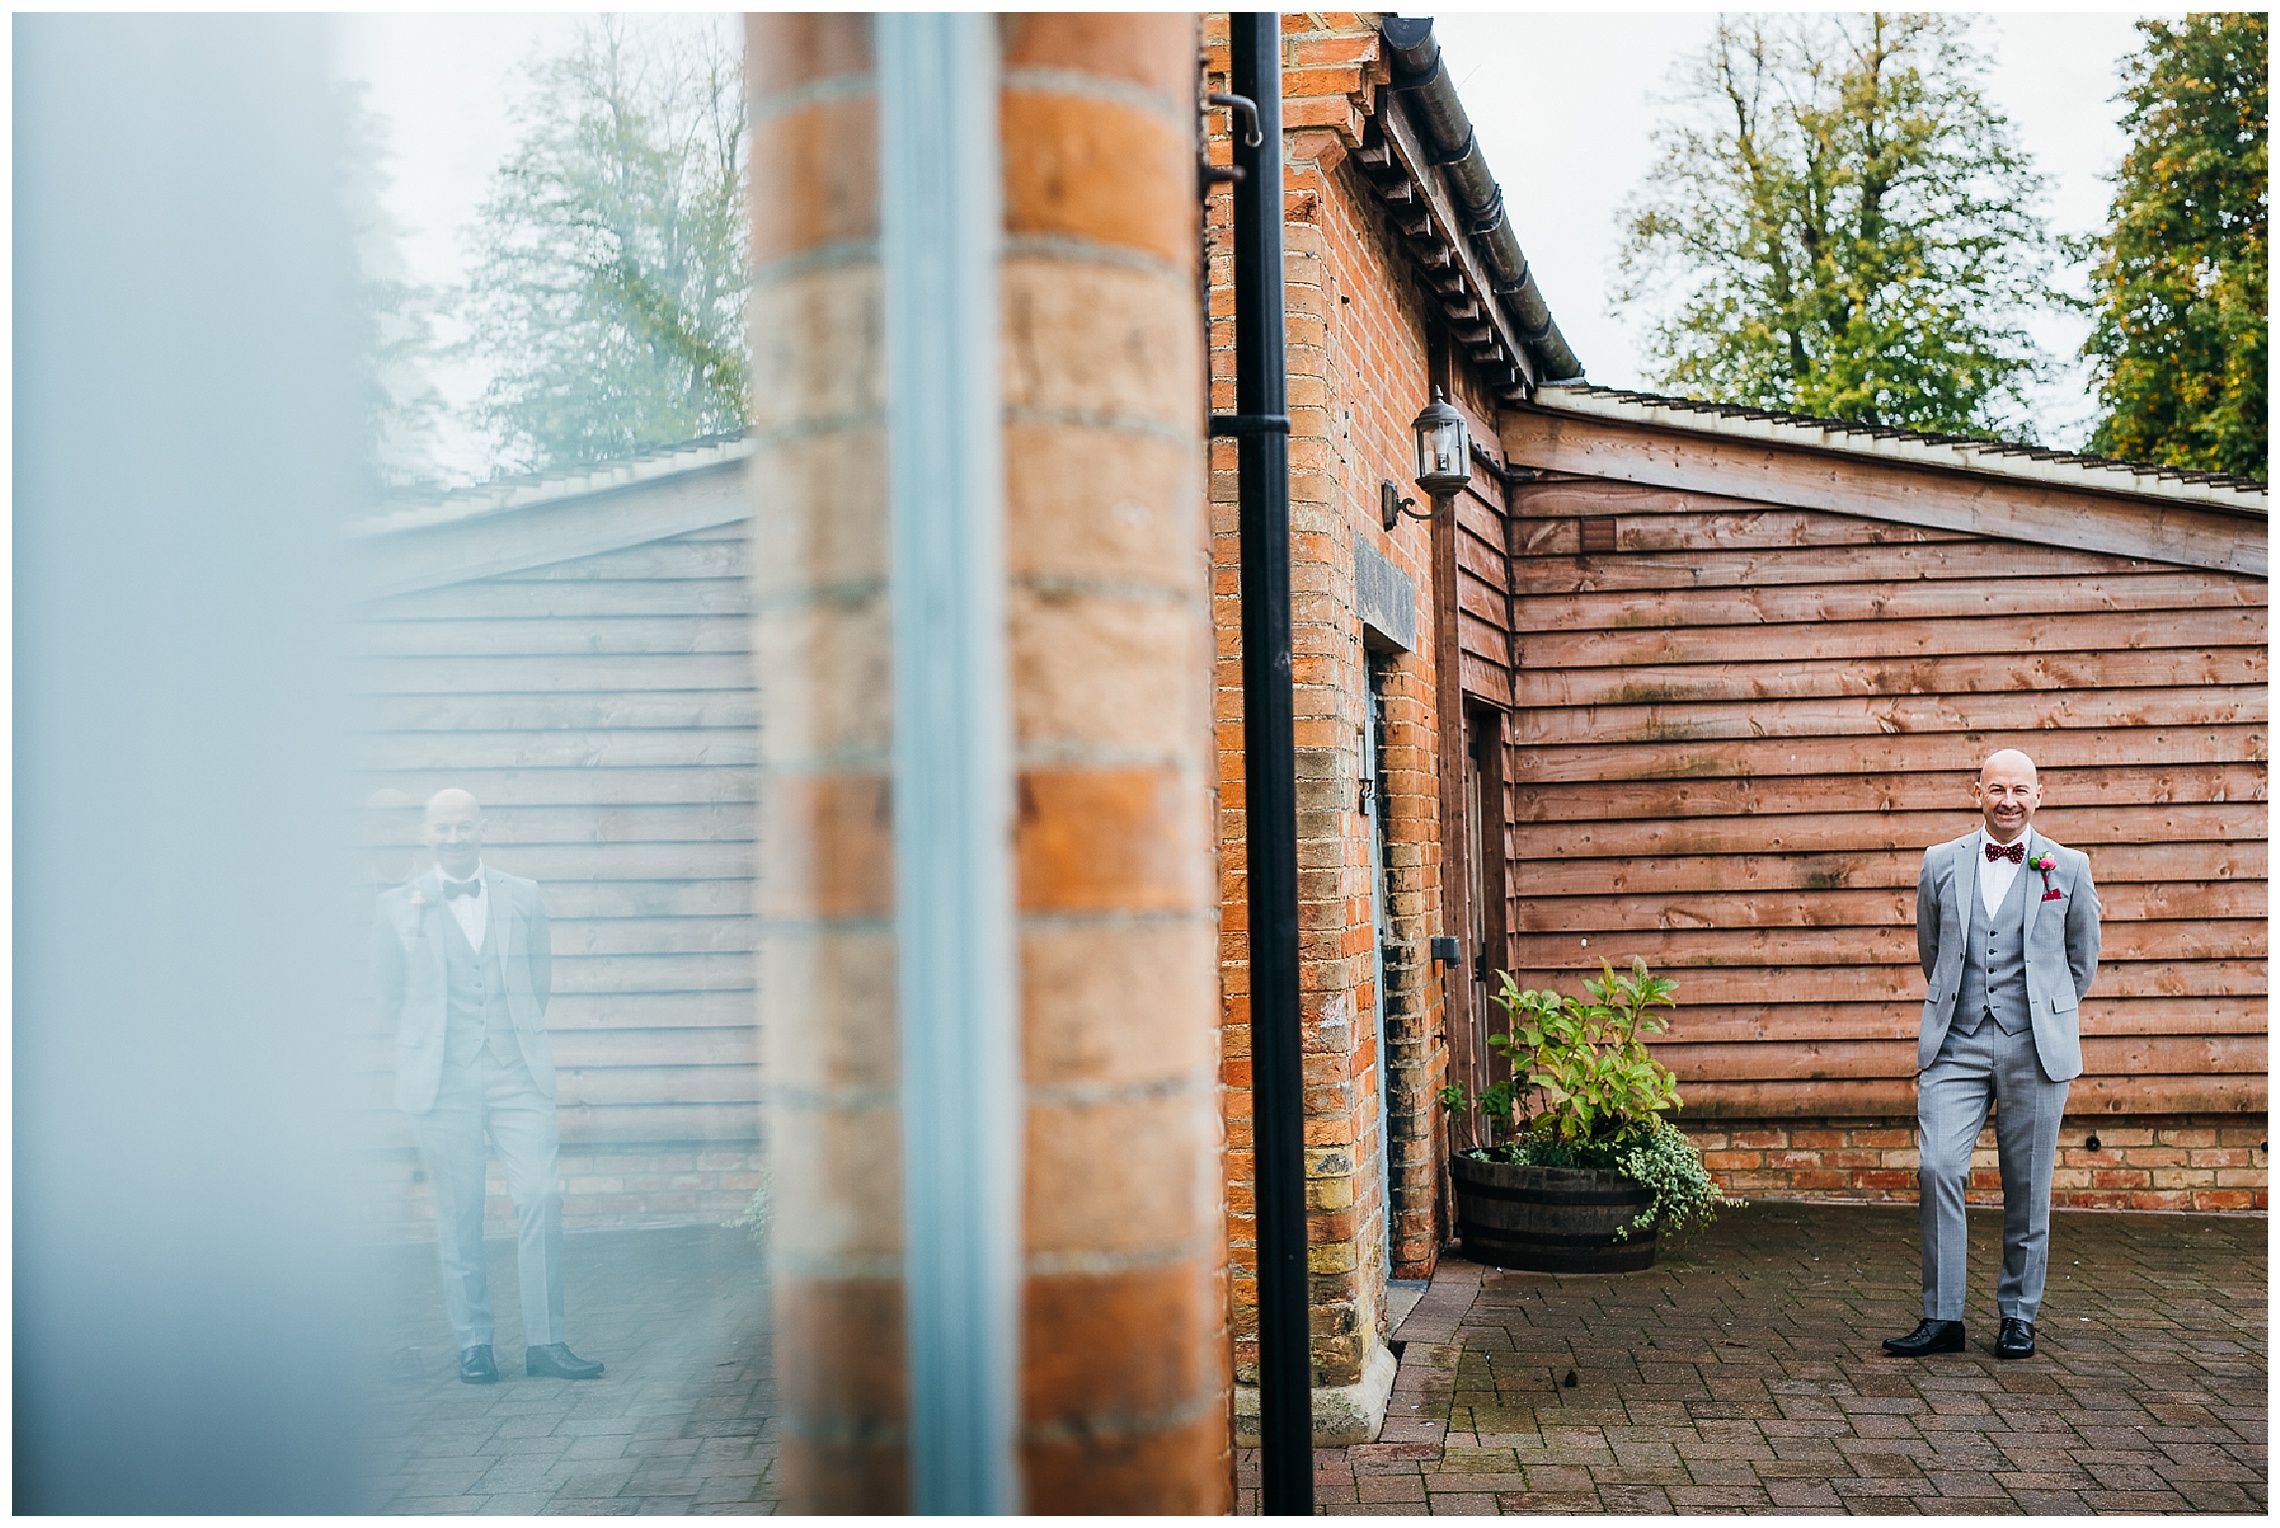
{"x": 1124, "y": 1373}
{"x": 822, "y": 630}
{"x": 1124, "y": 1381}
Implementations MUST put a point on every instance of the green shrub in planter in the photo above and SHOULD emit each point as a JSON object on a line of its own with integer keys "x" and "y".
{"x": 1586, "y": 1092}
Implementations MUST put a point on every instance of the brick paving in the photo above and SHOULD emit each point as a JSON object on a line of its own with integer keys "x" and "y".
{"x": 680, "y": 1422}
{"x": 1742, "y": 1374}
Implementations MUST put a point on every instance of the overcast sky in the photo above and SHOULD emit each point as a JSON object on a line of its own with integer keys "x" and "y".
{"x": 1564, "y": 103}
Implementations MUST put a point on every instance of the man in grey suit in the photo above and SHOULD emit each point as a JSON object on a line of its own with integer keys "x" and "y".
{"x": 2007, "y": 928}
{"x": 464, "y": 967}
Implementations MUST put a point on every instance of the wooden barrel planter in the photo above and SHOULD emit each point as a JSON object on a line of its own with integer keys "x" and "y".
{"x": 1551, "y": 1219}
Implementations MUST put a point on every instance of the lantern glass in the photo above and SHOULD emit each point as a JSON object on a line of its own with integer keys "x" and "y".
{"x": 1444, "y": 447}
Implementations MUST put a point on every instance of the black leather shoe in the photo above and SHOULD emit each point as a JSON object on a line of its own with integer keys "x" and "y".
{"x": 555, "y": 1361}
{"x": 1929, "y": 1337}
{"x": 475, "y": 1366}
{"x": 2016, "y": 1339}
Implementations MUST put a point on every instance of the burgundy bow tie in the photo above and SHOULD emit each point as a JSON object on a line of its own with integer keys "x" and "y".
{"x": 2015, "y": 853}
{"x": 474, "y": 888}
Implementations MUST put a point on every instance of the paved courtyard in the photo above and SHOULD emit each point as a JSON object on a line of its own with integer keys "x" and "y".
{"x": 679, "y": 1423}
{"x": 1742, "y": 1374}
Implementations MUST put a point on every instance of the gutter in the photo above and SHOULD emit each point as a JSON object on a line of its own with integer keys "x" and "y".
{"x": 1445, "y": 132}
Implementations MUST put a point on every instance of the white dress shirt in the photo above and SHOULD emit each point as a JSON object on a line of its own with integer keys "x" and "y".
{"x": 473, "y": 913}
{"x": 1996, "y": 875}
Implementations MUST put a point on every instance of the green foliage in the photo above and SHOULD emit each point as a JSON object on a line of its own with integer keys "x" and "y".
{"x": 759, "y": 1214}
{"x": 1841, "y": 224}
{"x": 1587, "y": 1092}
{"x": 1655, "y": 1155}
{"x": 609, "y": 290}
{"x": 397, "y": 317}
{"x": 1584, "y": 1066}
{"x": 2180, "y": 284}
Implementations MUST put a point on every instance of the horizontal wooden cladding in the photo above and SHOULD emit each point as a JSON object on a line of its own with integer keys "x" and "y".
{"x": 1624, "y": 525}
{"x": 600, "y": 747}
{"x": 1801, "y": 476}
{"x": 1765, "y": 875}
{"x": 573, "y": 599}
{"x": 1894, "y": 641}
{"x": 646, "y": 710}
{"x": 1869, "y": 982}
{"x": 1790, "y": 677}
{"x": 1869, "y": 716}
{"x": 1900, "y": 1019}
{"x": 1743, "y": 759}
{"x": 1861, "y": 909}
{"x": 556, "y": 637}
{"x": 555, "y": 675}
{"x": 509, "y": 823}
{"x": 1671, "y": 950}
{"x": 603, "y": 711}
{"x": 549, "y": 864}
{"x": 583, "y": 1049}
{"x": 1923, "y": 600}
{"x": 1875, "y": 563}
{"x": 2109, "y": 1055}
{"x": 696, "y": 558}
{"x": 1890, "y": 1096}
{"x": 689, "y": 784}
{"x": 1852, "y": 832}
{"x": 652, "y": 935}
{"x": 1881, "y": 791}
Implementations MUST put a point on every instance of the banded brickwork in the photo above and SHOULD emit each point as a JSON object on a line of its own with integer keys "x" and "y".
{"x": 601, "y": 709}
{"x": 1738, "y": 726}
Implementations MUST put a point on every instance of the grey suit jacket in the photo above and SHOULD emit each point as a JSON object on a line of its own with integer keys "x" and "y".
{"x": 2061, "y": 946}
{"x": 408, "y": 969}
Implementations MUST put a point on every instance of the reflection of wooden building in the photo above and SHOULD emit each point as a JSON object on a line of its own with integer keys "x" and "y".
{"x": 1759, "y": 659}
{"x": 575, "y": 651}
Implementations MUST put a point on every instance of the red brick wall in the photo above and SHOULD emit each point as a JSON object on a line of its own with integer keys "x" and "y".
{"x": 1358, "y": 369}
{"x": 2203, "y": 1162}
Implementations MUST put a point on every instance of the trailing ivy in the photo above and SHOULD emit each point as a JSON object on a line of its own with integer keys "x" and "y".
{"x": 1656, "y": 1155}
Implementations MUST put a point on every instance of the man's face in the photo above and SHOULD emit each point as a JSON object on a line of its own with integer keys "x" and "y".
{"x": 2007, "y": 794}
{"x": 455, "y": 833}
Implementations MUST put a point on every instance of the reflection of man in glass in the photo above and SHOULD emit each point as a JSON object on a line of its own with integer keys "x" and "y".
{"x": 464, "y": 969}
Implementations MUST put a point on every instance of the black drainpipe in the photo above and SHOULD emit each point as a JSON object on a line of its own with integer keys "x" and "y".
{"x": 1261, "y": 425}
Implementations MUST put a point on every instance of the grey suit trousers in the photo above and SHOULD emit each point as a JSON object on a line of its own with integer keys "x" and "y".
{"x": 1952, "y": 1098}
{"x": 501, "y": 1101}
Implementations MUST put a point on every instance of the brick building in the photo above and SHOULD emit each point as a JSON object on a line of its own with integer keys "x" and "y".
{"x": 1661, "y": 678}
{"x": 1699, "y": 684}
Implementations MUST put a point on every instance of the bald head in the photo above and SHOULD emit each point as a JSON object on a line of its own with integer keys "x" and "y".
{"x": 454, "y": 826}
{"x": 2007, "y": 794}
{"x": 2008, "y": 761}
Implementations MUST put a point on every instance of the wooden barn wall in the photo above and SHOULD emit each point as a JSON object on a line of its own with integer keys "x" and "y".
{"x": 1738, "y": 727}
{"x": 602, "y": 712}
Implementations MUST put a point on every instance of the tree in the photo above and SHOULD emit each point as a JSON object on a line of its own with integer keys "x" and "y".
{"x": 2180, "y": 280}
{"x": 1839, "y": 223}
{"x": 608, "y": 293}
{"x": 397, "y": 318}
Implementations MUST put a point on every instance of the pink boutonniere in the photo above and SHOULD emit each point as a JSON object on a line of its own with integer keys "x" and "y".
{"x": 2046, "y": 863}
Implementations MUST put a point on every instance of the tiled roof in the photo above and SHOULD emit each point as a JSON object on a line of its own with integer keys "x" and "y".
{"x": 504, "y": 494}
{"x": 2072, "y": 469}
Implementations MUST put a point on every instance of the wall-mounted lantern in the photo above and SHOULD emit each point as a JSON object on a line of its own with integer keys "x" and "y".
{"x": 1444, "y": 449}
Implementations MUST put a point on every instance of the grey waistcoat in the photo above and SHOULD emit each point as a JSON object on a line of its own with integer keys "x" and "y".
{"x": 475, "y": 999}
{"x": 1994, "y": 981}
